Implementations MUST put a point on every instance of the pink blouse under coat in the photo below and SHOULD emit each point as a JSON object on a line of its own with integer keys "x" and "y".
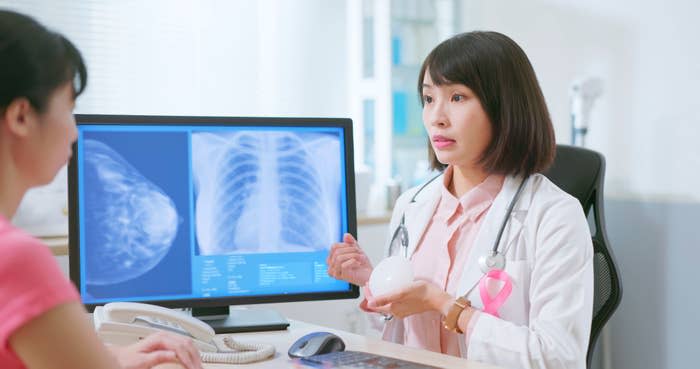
{"x": 440, "y": 258}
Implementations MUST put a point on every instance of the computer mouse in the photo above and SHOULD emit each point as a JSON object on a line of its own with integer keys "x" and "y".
{"x": 316, "y": 343}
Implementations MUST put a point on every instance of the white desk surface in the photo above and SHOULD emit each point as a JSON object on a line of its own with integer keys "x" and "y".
{"x": 283, "y": 339}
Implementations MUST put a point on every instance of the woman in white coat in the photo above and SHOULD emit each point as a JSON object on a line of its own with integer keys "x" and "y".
{"x": 530, "y": 304}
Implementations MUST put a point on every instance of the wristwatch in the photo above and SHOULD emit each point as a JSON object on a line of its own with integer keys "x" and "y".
{"x": 452, "y": 317}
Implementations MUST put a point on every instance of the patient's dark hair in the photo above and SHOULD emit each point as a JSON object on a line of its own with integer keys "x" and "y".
{"x": 35, "y": 61}
{"x": 497, "y": 70}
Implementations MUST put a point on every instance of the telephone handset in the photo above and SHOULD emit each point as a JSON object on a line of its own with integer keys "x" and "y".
{"x": 123, "y": 323}
{"x": 127, "y": 322}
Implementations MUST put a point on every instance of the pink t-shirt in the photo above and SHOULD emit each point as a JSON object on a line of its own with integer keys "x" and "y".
{"x": 31, "y": 283}
{"x": 440, "y": 258}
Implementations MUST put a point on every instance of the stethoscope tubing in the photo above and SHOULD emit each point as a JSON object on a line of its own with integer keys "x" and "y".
{"x": 403, "y": 233}
{"x": 506, "y": 217}
{"x": 494, "y": 250}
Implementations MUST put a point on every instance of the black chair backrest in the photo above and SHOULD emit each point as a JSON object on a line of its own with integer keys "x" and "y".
{"x": 580, "y": 172}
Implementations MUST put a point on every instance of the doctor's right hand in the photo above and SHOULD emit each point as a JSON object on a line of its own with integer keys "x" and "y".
{"x": 348, "y": 262}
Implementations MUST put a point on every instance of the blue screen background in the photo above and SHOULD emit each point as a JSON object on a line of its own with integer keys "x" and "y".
{"x": 137, "y": 187}
{"x": 162, "y": 165}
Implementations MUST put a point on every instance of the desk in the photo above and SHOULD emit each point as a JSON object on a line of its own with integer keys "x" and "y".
{"x": 58, "y": 245}
{"x": 283, "y": 339}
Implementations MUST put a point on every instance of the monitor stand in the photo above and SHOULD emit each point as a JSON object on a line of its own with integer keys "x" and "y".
{"x": 225, "y": 320}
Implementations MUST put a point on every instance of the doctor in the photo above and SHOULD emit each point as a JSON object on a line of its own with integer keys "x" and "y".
{"x": 502, "y": 256}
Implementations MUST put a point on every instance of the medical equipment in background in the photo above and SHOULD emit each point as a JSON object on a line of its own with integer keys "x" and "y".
{"x": 583, "y": 93}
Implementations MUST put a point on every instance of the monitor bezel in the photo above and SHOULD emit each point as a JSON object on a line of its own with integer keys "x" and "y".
{"x": 99, "y": 119}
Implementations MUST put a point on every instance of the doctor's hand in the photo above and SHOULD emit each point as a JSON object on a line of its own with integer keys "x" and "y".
{"x": 348, "y": 262}
{"x": 157, "y": 349}
{"x": 418, "y": 297}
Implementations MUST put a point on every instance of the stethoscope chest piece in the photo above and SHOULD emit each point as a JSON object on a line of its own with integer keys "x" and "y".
{"x": 492, "y": 261}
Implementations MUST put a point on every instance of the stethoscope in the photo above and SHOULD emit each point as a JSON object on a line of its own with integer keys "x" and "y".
{"x": 488, "y": 262}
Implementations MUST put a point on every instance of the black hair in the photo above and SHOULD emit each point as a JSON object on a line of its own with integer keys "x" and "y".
{"x": 499, "y": 73}
{"x": 35, "y": 61}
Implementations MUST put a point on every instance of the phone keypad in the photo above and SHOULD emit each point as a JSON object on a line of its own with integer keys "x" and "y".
{"x": 164, "y": 324}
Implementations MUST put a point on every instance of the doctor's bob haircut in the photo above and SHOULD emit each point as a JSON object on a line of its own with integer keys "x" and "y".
{"x": 35, "y": 61}
{"x": 497, "y": 70}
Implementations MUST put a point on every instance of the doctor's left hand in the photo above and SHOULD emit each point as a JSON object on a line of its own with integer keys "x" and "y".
{"x": 416, "y": 298}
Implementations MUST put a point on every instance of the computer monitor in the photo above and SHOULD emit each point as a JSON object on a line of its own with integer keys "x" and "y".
{"x": 207, "y": 212}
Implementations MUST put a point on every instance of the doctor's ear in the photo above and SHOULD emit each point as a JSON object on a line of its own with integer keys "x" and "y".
{"x": 17, "y": 116}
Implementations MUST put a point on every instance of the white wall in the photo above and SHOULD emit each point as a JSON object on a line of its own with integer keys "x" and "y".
{"x": 213, "y": 57}
{"x": 647, "y": 53}
{"x": 188, "y": 57}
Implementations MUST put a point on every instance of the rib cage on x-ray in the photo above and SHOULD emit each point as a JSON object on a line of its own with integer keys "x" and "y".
{"x": 263, "y": 191}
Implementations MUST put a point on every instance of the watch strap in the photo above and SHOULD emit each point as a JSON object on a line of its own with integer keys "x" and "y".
{"x": 452, "y": 317}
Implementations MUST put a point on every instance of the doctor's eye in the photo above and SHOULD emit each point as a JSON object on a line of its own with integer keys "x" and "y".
{"x": 427, "y": 99}
{"x": 458, "y": 98}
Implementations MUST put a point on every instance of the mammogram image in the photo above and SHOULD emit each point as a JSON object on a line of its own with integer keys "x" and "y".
{"x": 266, "y": 191}
{"x": 130, "y": 222}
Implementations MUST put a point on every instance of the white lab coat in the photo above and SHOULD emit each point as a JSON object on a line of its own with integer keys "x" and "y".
{"x": 545, "y": 323}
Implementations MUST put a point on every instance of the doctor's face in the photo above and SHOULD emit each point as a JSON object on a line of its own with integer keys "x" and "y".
{"x": 457, "y": 125}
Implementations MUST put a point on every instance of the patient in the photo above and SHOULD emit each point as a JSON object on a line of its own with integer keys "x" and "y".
{"x": 42, "y": 321}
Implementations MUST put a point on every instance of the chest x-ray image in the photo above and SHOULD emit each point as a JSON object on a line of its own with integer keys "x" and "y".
{"x": 131, "y": 223}
{"x": 259, "y": 191}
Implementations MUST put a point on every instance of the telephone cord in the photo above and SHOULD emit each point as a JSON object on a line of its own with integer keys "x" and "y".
{"x": 238, "y": 352}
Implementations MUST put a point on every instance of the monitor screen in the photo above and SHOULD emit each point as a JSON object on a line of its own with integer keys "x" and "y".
{"x": 209, "y": 211}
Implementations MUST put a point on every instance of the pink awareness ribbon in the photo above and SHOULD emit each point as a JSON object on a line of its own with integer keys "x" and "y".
{"x": 491, "y": 305}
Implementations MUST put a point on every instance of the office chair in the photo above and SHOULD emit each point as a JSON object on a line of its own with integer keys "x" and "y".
{"x": 580, "y": 172}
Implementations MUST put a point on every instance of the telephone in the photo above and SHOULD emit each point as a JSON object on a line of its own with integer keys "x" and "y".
{"x": 123, "y": 323}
